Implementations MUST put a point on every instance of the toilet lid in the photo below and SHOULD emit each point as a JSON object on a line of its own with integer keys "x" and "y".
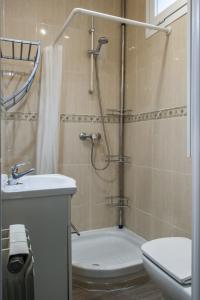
{"x": 172, "y": 255}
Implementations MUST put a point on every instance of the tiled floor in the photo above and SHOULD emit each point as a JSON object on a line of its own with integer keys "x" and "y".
{"x": 147, "y": 291}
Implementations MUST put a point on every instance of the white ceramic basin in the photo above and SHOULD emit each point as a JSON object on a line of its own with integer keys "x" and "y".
{"x": 35, "y": 185}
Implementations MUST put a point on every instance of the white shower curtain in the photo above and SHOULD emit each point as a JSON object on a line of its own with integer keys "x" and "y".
{"x": 49, "y": 117}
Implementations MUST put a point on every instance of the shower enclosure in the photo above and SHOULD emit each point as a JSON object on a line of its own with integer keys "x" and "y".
{"x": 119, "y": 201}
{"x": 95, "y": 263}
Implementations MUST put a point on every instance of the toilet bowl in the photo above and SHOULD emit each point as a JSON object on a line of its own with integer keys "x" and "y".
{"x": 168, "y": 262}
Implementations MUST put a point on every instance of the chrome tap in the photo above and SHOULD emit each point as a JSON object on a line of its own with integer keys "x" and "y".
{"x": 16, "y": 175}
{"x": 91, "y": 136}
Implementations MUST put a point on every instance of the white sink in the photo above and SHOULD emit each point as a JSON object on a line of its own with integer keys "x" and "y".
{"x": 35, "y": 185}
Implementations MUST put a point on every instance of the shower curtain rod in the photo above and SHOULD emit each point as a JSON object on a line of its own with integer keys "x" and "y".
{"x": 79, "y": 11}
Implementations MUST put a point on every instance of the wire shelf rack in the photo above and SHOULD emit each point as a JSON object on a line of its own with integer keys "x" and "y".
{"x": 19, "y": 50}
{"x": 119, "y": 159}
{"x": 117, "y": 201}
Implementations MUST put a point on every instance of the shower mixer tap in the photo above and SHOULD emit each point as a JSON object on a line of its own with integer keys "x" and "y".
{"x": 92, "y": 136}
{"x": 12, "y": 180}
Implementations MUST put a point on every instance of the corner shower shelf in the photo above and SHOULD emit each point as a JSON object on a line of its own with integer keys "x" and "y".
{"x": 19, "y": 50}
{"x": 117, "y": 201}
{"x": 119, "y": 159}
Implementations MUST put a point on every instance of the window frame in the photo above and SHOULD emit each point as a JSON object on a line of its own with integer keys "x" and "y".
{"x": 167, "y": 16}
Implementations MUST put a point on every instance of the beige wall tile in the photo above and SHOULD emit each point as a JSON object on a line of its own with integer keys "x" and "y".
{"x": 150, "y": 227}
{"x": 168, "y": 211}
{"x": 131, "y": 83}
{"x": 129, "y": 140}
{"x": 161, "y": 62}
{"x": 162, "y": 66}
{"x": 51, "y": 12}
{"x": 182, "y": 206}
{"x": 104, "y": 184}
{"x": 76, "y": 100}
{"x": 80, "y": 216}
{"x": 20, "y": 143}
{"x": 13, "y": 9}
{"x": 160, "y": 229}
{"x": 129, "y": 217}
{"x": 103, "y": 216}
{"x": 142, "y": 223}
{"x": 130, "y": 182}
{"x": 156, "y": 76}
{"x": 179, "y": 232}
{"x": 162, "y": 195}
{"x": 180, "y": 162}
{"x": 163, "y": 144}
{"x": 143, "y": 188}
{"x": 142, "y": 141}
{"x": 72, "y": 149}
{"x": 82, "y": 175}
{"x": 144, "y": 95}
{"x": 14, "y": 28}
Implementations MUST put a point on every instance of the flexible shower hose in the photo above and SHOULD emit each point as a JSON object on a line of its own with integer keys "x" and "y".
{"x": 103, "y": 122}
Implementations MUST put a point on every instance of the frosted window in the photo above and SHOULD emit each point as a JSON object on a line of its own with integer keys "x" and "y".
{"x": 164, "y": 12}
{"x": 161, "y": 5}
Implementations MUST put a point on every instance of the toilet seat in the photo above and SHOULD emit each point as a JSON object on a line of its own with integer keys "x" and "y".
{"x": 172, "y": 255}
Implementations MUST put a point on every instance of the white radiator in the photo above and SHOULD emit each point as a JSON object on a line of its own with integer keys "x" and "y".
{"x": 17, "y": 261}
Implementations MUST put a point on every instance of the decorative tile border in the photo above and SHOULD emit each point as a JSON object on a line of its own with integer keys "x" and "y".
{"x": 19, "y": 116}
{"x": 129, "y": 118}
{"x": 155, "y": 115}
{"x": 88, "y": 118}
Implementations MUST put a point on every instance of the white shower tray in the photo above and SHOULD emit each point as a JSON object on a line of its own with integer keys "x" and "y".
{"x": 106, "y": 253}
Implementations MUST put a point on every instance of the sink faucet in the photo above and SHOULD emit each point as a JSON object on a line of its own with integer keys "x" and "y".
{"x": 16, "y": 175}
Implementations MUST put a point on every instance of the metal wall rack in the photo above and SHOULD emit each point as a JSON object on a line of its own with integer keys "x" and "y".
{"x": 19, "y": 50}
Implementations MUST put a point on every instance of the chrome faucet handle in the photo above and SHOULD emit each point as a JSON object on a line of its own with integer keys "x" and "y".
{"x": 84, "y": 136}
{"x": 16, "y": 166}
{"x": 92, "y": 136}
{"x": 16, "y": 175}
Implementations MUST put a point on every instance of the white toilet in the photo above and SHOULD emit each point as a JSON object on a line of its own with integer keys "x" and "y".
{"x": 168, "y": 262}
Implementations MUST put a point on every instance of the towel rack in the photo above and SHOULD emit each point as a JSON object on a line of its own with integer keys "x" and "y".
{"x": 19, "y": 50}
{"x": 18, "y": 267}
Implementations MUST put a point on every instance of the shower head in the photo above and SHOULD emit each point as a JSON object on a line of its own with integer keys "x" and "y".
{"x": 102, "y": 41}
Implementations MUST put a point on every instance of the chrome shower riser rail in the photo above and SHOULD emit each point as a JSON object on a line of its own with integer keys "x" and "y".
{"x": 91, "y": 31}
{"x": 121, "y": 116}
{"x": 82, "y": 11}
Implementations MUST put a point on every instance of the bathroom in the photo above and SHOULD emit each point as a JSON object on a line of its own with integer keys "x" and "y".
{"x": 114, "y": 110}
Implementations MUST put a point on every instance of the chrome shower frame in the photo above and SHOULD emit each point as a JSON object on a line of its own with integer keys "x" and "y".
{"x": 195, "y": 123}
{"x": 121, "y": 118}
